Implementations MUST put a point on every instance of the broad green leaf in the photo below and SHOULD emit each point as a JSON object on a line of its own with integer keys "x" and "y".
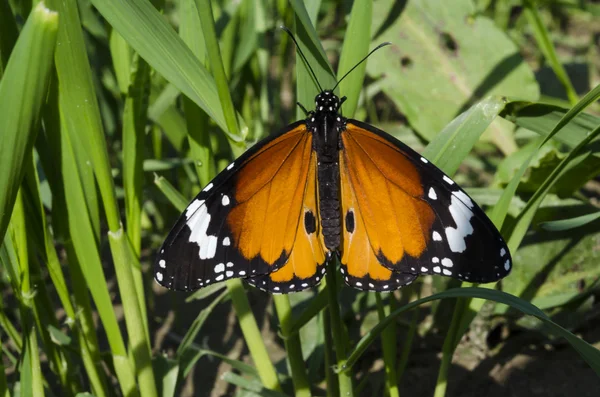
{"x": 450, "y": 147}
{"x": 22, "y": 92}
{"x": 445, "y": 58}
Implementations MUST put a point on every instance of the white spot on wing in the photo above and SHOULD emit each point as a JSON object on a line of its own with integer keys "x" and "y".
{"x": 162, "y": 263}
{"x": 437, "y": 269}
{"x": 220, "y": 277}
{"x": 242, "y": 273}
{"x": 198, "y": 220}
{"x": 358, "y": 284}
{"x": 462, "y": 218}
{"x": 159, "y": 276}
{"x": 225, "y": 200}
{"x": 226, "y": 241}
{"x": 448, "y": 180}
{"x": 462, "y": 196}
{"x": 230, "y": 166}
{"x": 229, "y": 264}
{"x": 219, "y": 268}
{"x": 424, "y": 269}
{"x": 191, "y": 209}
{"x": 432, "y": 195}
{"x": 447, "y": 272}
{"x": 435, "y": 259}
{"x": 209, "y": 248}
{"x": 423, "y": 159}
{"x": 208, "y": 187}
{"x": 437, "y": 236}
{"x": 507, "y": 265}
{"x": 502, "y": 252}
{"x": 447, "y": 262}
{"x": 229, "y": 273}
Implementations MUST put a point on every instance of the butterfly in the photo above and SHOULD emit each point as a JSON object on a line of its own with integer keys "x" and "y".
{"x": 330, "y": 186}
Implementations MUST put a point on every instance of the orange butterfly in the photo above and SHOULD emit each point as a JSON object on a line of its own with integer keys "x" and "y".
{"x": 326, "y": 186}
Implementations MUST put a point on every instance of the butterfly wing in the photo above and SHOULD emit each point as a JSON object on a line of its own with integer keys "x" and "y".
{"x": 245, "y": 222}
{"x": 414, "y": 218}
{"x": 306, "y": 263}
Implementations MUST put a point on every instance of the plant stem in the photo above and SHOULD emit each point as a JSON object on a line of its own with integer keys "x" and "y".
{"x": 388, "y": 345}
{"x": 293, "y": 346}
{"x": 344, "y": 378}
{"x": 252, "y": 335}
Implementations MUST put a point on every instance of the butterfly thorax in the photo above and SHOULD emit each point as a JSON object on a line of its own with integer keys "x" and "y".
{"x": 326, "y": 125}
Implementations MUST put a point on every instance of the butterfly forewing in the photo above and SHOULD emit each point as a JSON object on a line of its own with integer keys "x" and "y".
{"x": 415, "y": 218}
{"x": 244, "y": 223}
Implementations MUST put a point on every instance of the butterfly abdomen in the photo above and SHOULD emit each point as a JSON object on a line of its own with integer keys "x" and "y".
{"x": 329, "y": 203}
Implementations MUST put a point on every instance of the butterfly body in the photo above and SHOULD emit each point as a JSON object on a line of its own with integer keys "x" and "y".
{"x": 326, "y": 126}
{"x": 328, "y": 186}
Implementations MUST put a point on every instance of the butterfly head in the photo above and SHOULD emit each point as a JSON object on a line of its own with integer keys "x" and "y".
{"x": 327, "y": 101}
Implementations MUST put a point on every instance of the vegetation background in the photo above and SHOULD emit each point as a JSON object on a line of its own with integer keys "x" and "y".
{"x": 113, "y": 114}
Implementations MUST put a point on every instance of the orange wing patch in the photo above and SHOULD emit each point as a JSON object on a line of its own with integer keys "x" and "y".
{"x": 269, "y": 193}
{"x": 386, "y": 194}
{"x": 360, "y": 266}
{"x": 306, "y": 264}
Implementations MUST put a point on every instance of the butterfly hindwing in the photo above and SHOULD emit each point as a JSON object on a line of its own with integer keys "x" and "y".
{"x": 305, "y": 267}
{"x": 244, "y": 223}
{"x": 415, "y": 218}
{"x": 359, "y": 265}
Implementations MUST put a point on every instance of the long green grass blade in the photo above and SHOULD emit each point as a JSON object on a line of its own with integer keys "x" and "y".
{"x": 568, "y": 224}
{"x": 577, "y": 155}
{"x": 588, "y": 352}
{"x": 22, "y": 92}
{"x": 142, "y": 26}
{"x": 216, "y": 65}
{"x": 542, "y": 37}
{"x": 310, "y": 45}
{"x": 356, "y": 47}
{"x": 500, "y": 210}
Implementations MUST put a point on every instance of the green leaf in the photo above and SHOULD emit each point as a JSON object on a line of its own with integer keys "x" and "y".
{"x": 452, "y": 145}
{"x": 499, "y": 212}
{"x": 22, "y": 92}
{"x": 588, "y": 352}
{"x": 355, "y": 48}
{"x": 59, "y": 337}
{"x": 568, "y": 224}
{"x": 145, "y": 29}
{"x": 456, "y": 55}
{"x": 542, "y": 119}
{"x": 308, "y": 40}
{"x": 166, "y": 371}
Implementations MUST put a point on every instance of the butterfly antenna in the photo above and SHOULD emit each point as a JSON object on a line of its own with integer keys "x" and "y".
{"x": 361, "y": 61}
{"x": 289, "y": 32}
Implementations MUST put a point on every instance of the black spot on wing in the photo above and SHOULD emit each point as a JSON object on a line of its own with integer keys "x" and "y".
{"x": 310, "y": 222}
{"x": 350, "y": 221}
